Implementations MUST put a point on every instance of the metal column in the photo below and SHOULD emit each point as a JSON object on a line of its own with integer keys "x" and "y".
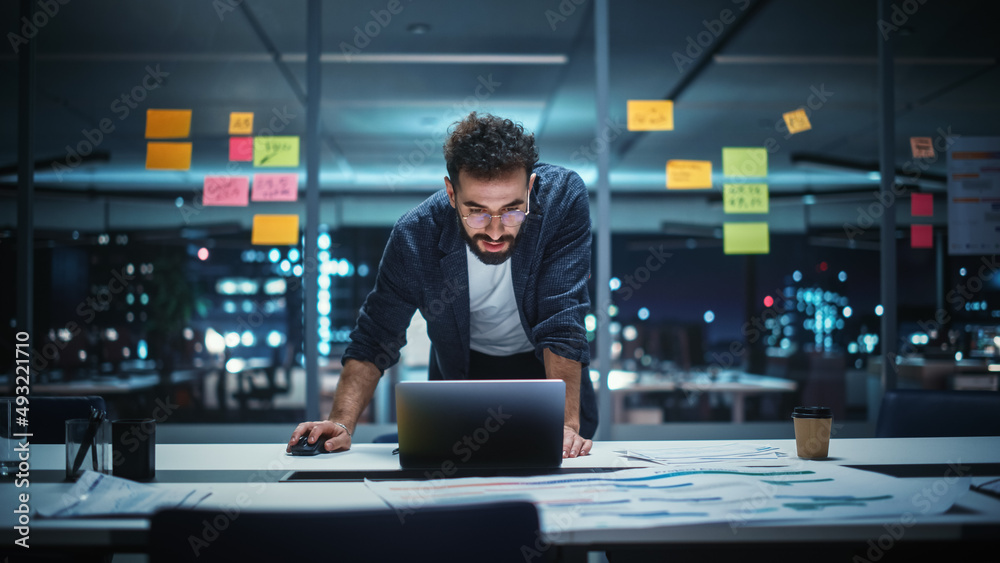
{"x": 311, "y": 258}
{"x": 26, "y": 181}
{"x": 887, "y": 170}
{"x": 601, "y": 58}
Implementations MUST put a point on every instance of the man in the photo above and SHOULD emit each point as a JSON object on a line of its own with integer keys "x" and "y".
{"x": 497, "y": 263}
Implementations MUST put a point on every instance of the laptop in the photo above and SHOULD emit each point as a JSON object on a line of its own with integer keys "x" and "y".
{"x": 453, "y": 426}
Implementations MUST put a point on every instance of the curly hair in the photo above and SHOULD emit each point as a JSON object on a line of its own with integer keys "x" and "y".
{"x": 487, "y": 147}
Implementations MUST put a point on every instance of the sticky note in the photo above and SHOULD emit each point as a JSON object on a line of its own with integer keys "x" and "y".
{"x": 689, "y": 174}
{"x": 168, "y": 123}
{"x": 226, "y": 190}
{"x": 745, "y": 238}
{"x": 745, "y": 198}
{"x": 241, "y": 123}
{"x": 275, "y": 187}
{"x": 922, "y": 147}
{"x": 275, "y": 229}
{"x": 743, "y": 162}
{"x": 276, "y": 151}
{"x": 241, "y": 149}
{"x": 922, "y": 205}
{"x": 650, "y": 115}
{"x": 168, "y": 156}
{"x": 797, "y": 121}
{"x": 921, "y": 236}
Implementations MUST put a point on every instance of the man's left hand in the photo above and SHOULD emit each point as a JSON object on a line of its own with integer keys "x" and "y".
{"x": 574, "y": 444}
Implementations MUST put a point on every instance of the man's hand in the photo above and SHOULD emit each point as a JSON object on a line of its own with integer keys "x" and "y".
{"x": 574, "y": 444}
{"x": 337, "y": 439}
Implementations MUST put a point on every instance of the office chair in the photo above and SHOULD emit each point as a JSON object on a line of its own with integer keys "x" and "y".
{"x": 483, "y": 533}
{"x": 48, "y": 416}
{"x": 912, "y": 413}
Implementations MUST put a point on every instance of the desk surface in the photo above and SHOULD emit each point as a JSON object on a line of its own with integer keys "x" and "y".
{"x": 247, "y": 475}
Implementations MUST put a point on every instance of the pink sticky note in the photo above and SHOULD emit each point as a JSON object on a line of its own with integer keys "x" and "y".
{"x": 226, "y": 190}
{"x": 922, "y": 236}
{"x": 241, "y": 149}
{"x": 275, "y": 187}
{"x": 922, "y": 205}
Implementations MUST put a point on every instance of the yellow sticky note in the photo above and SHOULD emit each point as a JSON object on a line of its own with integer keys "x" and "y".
{"x": 745, "y": 238}
{"x": 650, "y": 115}
{"x": 745, "y": 198}
{"x": 276, "y": 151}
{"x": 743, "y": 162}
{"x": 689, "y": 174}
{"x": 275, "y": 229}
{"x": 168, "y": 156}
{"x": 168, "y": 123}
{"x": 797, "y": 121}
{"x": 241, "y": 123}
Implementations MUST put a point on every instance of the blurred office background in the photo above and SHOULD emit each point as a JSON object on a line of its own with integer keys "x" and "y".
{"x": 155, "y": 301}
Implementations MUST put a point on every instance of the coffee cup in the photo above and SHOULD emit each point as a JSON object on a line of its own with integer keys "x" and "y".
{"x": 812, "y": 431}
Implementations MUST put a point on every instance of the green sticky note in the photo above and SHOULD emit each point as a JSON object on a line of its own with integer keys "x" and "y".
{"x": 745, "y": 238}
{"x": 745, "y": 198}
{"x": 276, "y": 151}
{"x": 744, "y": 162}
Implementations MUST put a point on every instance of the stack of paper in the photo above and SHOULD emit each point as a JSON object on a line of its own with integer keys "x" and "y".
{"x": 97, "y": 494}
{"x": 729, "y": 452}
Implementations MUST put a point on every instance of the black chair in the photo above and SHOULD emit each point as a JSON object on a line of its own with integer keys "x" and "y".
{"x": 48, "y": 415}
{"x": 488, "y": 532}
{"x": 913, "y": 413}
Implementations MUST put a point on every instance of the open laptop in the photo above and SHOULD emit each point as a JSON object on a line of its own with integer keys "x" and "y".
{"x": 452, "y": 426}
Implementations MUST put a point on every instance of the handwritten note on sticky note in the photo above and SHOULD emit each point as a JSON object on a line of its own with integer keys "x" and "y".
{"x": 689, "y": 174}
{"x": 797, "y": 121}
{"x": 922, "y": 147}
{"x": 275, "y": 187}
{"x": 226, "y": 190}
{"x": 241, "y": 123}
{"x": 168, "y": 123}
{"x": 745, "y": 198}
{"x": 744, "y": 162}
{"x": 275, "y": 229}
{"x": 921, "y": 236}
{"x": 168, "y": 156}
{"x": 276, "y": 151}
{"x": 241, "y": 149}
{"x": 922, "y": 205}
{"x": 650, "y": 115}
{"x": 745, "y": 238}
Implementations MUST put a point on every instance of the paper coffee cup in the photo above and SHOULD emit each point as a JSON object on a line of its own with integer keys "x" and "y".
{"x": 812, "y": 431}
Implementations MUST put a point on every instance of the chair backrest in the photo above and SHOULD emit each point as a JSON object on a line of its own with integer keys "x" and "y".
{"x": 487, "y": 532}
{"x": 913, "y": 413}
{"x": 47, "y": 422}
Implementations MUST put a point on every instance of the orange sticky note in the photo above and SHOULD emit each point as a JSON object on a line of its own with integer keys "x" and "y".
{"x": 276, "y": 187}
{"x": 226, "y": 190}
{"x": 922, "y": 147}
{"x": 168, "y": 123}
{"x": 168, "y": 156}
{"x": 922, "y": 205}
{"x": 689, "y": 174}
{"x": 241, "y": 123}
{"x": 650, "y": 115}
{"x": 241, "y": 149}
{"x": 921, "y": 236}
{"x": 275, "y": 229}
{"x": 797, "y": 121}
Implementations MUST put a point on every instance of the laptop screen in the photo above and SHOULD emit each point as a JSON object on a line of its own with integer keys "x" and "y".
{"x": 452, "y": 425}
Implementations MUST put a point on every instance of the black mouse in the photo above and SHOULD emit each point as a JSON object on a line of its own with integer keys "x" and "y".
{"x": 303, "y": 447}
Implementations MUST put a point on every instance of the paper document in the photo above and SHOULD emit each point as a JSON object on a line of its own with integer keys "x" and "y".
{"x": 97, "y": 494}
{"x": 715, "y": 453}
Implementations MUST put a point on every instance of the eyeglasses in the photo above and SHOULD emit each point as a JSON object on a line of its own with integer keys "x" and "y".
{"x": 511, "y": 218}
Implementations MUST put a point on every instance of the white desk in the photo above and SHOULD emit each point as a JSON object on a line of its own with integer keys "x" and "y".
{"x": 247, "y": 476}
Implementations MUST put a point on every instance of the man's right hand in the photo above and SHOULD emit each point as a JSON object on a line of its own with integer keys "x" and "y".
{"x": 336, "y": 438}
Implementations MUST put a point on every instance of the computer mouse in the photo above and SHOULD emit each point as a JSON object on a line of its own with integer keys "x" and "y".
{"x": 303, "y": 447}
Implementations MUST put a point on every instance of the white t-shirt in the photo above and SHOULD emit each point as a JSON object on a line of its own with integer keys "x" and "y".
{"x": 495, "y": 324}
